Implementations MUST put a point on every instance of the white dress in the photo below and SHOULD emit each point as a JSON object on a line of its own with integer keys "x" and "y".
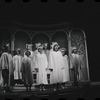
{"x": 41, "y": 63}
{"x": 17, "y": 63}
{"x": 56, "y": 63}
{"x": 65, "y": 70}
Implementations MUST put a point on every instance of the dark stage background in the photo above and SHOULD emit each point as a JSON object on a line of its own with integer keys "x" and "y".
{"x": 85, "y": 15}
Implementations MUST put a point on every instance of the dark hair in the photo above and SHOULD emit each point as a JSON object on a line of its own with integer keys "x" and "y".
{"x": 73, "y": 51}
{"x": 65, "y": 52}
{"x": 27, "y": 53}
{"x": 54, "y": 47}
{"x": 18, "y": 51}
{"x": 5, "y": 48}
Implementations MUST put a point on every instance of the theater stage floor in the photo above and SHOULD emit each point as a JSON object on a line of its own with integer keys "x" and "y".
{"x": 87, "y": 91}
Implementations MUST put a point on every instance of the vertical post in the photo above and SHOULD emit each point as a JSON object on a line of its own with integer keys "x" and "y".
{"x": 87, "y": 60}
{"x": 50, "y": 42}
{"x": 50, "y": 39}
{"x": 87, "y": 65}
{"x": 69, "y": 52}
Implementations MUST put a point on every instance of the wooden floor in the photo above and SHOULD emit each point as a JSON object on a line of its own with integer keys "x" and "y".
{"x": 84, "y": 90}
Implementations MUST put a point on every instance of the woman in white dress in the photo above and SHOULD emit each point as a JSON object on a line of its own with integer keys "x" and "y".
{"x": 17, "y": 63}
{"x": 41, "y": 66}
{"x": 56, "y": 65}
{"x": 65, "y": 70}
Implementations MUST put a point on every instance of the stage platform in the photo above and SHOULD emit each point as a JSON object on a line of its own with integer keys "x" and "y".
{"x": 89, "y": 90}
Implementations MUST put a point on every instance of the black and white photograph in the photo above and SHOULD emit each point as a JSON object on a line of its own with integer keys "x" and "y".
{"x": 49, "y": 49}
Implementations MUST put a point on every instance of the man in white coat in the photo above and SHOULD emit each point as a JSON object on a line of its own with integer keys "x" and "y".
{"x": 41, "y": 64}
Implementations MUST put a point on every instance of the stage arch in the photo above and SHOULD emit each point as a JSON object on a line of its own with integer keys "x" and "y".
{"x": 40, "y": 37}
{"x": 61, "y": 37}
{"x": 78, "y": 40}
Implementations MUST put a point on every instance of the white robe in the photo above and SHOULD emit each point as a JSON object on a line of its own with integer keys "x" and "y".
{"x": 17, "y": 63}
{"x": 56, "y": 63}
{"x": 3, "y": 64}
{"x": 65, "y": 70}
{"x": 41, "y": 63}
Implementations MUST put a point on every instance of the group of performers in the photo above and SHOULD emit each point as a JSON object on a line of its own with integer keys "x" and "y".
{"x": 40, "y": 61}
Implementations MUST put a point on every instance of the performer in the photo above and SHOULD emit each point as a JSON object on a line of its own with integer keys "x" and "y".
{"x": 26, "y": 70}
{"x": 75, "y": 65}
{"x": 81, "y": 65}
{"x": 41, "y": 65}
{"x": 65, "y": 69}
{"x": 17, "y": 63}
{"x": 29, "y": 48}
{"x": 56, "y": 65}
{"x": 5, "y": 67}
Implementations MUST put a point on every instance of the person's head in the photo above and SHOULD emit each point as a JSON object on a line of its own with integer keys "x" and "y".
{"x": 45, "y": 45}
{"x": 63, "y": 51}
{"x": 29, "y": 46}
{"x": 18, "y": 51}
{"x": 13, "y": 52}
{"x": 8, "y": 48}
{"x": 74, "y": 51}
{"x": 5, "y": 48}
{"x": 27, "y": 53}
{"x": 40, "y": 49}
{"x": 37, "y": 45}
{"x": 56, "y": 47}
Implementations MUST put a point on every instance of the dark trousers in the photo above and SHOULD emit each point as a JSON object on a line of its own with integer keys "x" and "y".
{"x": 5, "y": 75}
{"x": 76, "y": 74}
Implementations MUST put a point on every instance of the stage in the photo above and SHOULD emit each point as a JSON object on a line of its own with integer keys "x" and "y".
{"x": 87, "y": 91}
